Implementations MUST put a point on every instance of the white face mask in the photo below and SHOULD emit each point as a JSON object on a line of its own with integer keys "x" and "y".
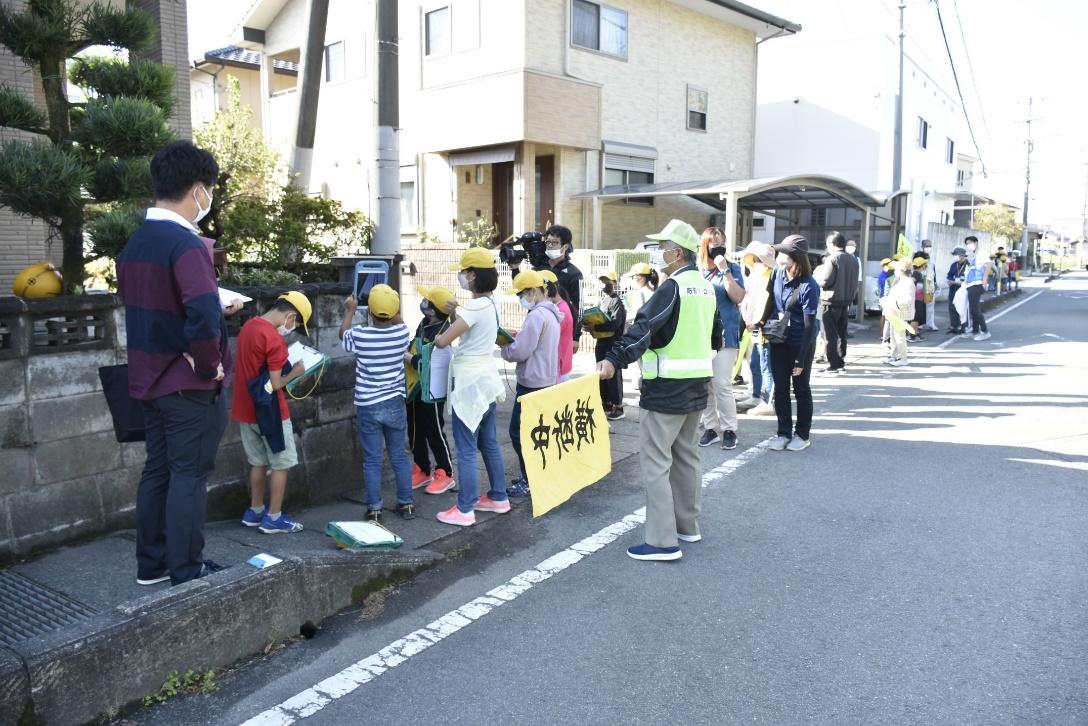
{"x": 202, "y": 212}
{"x": 971, "y": 249}
{"x": 283, "y": 330}
{"x": 527, "y": 303}
{"x": 850, "y": 249}
{"x": 657, "y": 259}
{"x": 462, "y": 280}
{"x": 554, "y": 254}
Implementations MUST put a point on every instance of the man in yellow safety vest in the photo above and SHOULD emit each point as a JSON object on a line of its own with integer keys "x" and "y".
{"x": 675, "y": 335}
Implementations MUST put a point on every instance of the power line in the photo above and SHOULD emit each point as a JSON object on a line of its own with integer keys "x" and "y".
{"x": 971, "y": 68}
{"x": 959, "y": 90}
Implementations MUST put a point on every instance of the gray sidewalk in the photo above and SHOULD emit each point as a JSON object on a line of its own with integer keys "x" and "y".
{"x": 79, "y": 638}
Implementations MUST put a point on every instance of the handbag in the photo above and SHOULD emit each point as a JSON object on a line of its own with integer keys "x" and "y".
{"x": 127, "y": 412}
{"x": 777, "y": 331}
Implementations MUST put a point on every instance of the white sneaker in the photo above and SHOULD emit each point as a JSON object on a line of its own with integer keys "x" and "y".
{"x": 766, "y": 408}
{"x": 746, "y": 404}
{"x": 899, "y": 362}
{"x": 779, "y": 443}
{"x": 982, "y": 336}
{"x": 688, "y": 537}
{"x": 798, "y": 444}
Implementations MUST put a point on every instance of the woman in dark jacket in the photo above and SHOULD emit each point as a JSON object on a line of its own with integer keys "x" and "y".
{"x": 796, "y": 295}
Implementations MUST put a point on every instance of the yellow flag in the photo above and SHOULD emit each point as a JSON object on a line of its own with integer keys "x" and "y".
{"x": 905, "y": 248}
{"x": 564, "y": 440}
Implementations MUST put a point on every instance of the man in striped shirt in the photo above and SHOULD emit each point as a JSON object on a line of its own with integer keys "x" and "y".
{"x": 380, "y": 347}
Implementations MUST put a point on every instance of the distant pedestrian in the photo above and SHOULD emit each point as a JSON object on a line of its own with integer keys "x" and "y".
{"x": 720, "y": 417}
{"x": 179, "y": 361}
{"x": 901, "y": 303}
{"x": 840, "y": 288}
{"x": 797, "y": 299}
{"x": 932, "y": 286}
{"x": 675, "y": 334}
{"x": 977, "y": 281}
{"x": 606, "y": 334}
{"x": 755, "y": 308}
{"x": 957, "y": 272}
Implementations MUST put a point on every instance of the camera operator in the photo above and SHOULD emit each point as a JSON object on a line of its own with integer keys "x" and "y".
{"x": 557, "y": 248}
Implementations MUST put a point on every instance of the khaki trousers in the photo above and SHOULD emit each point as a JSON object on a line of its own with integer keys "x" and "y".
{"x": 671, "y": 472}
{"x": 720, "y": 413}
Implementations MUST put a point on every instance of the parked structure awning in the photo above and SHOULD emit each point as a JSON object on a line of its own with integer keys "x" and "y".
{"x": 492, "y": 155}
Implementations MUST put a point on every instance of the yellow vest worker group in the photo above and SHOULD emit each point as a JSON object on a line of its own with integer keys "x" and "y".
{"x": 689, "y": 353}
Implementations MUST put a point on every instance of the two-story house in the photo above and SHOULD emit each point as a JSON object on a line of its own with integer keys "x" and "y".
{"x": 510, "y": 109}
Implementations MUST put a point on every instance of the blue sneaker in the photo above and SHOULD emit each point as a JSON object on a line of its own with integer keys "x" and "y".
{"x": 518, "y": 488}
{"x": 251, "y": 518}
{"x": 283, "y": 524}
{"x": 649, "y": 552}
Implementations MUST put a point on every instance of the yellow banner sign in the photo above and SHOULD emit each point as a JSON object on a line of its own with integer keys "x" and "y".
{"x": 564, "y": 439}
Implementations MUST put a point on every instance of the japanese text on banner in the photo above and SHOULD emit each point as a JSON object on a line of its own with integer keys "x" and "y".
{"x": 564, "y": 439}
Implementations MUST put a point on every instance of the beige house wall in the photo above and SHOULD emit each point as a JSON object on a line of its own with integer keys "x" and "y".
{"x": 473, "y": 200}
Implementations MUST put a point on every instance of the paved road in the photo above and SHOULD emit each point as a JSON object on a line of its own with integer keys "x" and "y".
{"x": 922, "y": 563}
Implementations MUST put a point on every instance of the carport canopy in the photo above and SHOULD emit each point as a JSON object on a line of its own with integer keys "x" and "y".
{"x": 765, "y": 194}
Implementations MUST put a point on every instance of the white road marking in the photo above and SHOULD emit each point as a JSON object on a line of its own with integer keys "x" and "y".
{"x": 315, "y": 698}
{"x": 1000, "y": 314}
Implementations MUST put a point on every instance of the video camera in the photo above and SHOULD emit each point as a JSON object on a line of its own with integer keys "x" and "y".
{"x": 515, "y": 250}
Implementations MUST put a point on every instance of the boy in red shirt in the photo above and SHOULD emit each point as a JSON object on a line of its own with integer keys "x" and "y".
{"x": 260, "y": 408}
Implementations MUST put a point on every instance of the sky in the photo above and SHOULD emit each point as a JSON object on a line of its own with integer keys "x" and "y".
{"x": 1004, "y": 52}
{"x": 1014, "y": 50}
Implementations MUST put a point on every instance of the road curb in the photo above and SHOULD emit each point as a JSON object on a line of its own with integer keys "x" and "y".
{"x": 120, "y": 656}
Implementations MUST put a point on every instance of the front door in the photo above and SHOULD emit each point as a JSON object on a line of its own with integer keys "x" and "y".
{"x": 545, "y": 192}
{"x": 502, "y": 197}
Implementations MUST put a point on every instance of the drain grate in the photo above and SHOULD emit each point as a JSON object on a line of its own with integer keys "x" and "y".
{"x": 27, "y": 609}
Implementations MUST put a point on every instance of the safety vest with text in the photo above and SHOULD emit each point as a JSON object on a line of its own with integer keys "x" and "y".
{"x": 689, "y": 353}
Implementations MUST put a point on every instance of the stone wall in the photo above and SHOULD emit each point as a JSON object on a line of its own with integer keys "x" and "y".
{"x": 64, "y": 476}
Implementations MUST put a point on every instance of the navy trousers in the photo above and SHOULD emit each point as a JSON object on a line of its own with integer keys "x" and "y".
{"x": 183, "y": 432}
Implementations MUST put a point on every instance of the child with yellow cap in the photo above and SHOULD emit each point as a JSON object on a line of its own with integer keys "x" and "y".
{"x": 379, "y": 348}
{"x": 427, "y": 421}
{"x": 260, "y": 408}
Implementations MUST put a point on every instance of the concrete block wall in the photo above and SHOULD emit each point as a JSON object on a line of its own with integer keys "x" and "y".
{"x": 63, "y": 474}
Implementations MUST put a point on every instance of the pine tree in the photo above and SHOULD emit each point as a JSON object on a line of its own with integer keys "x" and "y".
{"x": 90, "y": 163}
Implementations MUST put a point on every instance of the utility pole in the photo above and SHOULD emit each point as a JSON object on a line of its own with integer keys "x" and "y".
{"x": 1027, "y": 184}
{"x": 386, "y": 205}
{"x": 1084, "y": 213}
{"x": 309, "y": 94}
{"x": 897, "y": 161}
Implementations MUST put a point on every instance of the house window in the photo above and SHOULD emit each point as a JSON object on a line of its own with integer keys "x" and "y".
{"x": 623, "y": 170}
{"x": 923, "y": 133}
{"x": 408, "y": 205}
{"x": 334, "y": 62}
{"x": 697, "y": 102}
{"x": 598, "y": 27}
{"x": 949, "y": 151}
{"x": 437, "y": 29}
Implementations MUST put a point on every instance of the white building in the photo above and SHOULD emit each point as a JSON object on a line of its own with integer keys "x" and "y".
{"x": 510, "y": 109}
{"x": 827, "y": 104}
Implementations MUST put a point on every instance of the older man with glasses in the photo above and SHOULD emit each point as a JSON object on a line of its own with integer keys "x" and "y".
{"x": 675, "y": 335}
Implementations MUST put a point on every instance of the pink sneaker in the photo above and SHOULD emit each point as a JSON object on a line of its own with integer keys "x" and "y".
{"x": 487, "y": 504}
{"x": 440, "y": 483}
{"x": 419, "y": 477}
{"x": 455, "y": 516}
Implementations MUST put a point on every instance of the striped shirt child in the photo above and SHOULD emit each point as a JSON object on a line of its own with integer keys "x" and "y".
{"x": 379, "y": 361}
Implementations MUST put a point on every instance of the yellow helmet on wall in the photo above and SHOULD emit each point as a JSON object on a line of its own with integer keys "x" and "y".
{"x": 39, "y": 280}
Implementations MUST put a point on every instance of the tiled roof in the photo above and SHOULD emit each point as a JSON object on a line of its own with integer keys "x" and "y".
{"x": 243, "y": 56}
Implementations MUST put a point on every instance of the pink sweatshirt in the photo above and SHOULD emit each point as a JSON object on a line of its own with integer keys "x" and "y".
{"x": 566, "y": 339}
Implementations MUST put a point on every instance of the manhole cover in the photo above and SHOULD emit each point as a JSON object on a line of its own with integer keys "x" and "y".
{"x": 27, "y": 609}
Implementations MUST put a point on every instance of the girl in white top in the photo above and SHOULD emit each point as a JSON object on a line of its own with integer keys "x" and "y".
{"x": 474, "y": 388}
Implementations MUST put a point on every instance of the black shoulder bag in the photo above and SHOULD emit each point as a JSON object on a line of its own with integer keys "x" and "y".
{"x": 777, "y": 331}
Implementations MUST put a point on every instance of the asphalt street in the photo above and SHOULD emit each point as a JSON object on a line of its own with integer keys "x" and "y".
{"x": 922, "y": 563}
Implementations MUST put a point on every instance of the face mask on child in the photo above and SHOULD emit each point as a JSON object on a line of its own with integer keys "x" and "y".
{"x": 527, "y": 303}
{"x": 462, "y": 280}
{"x": 284, "y": 330}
